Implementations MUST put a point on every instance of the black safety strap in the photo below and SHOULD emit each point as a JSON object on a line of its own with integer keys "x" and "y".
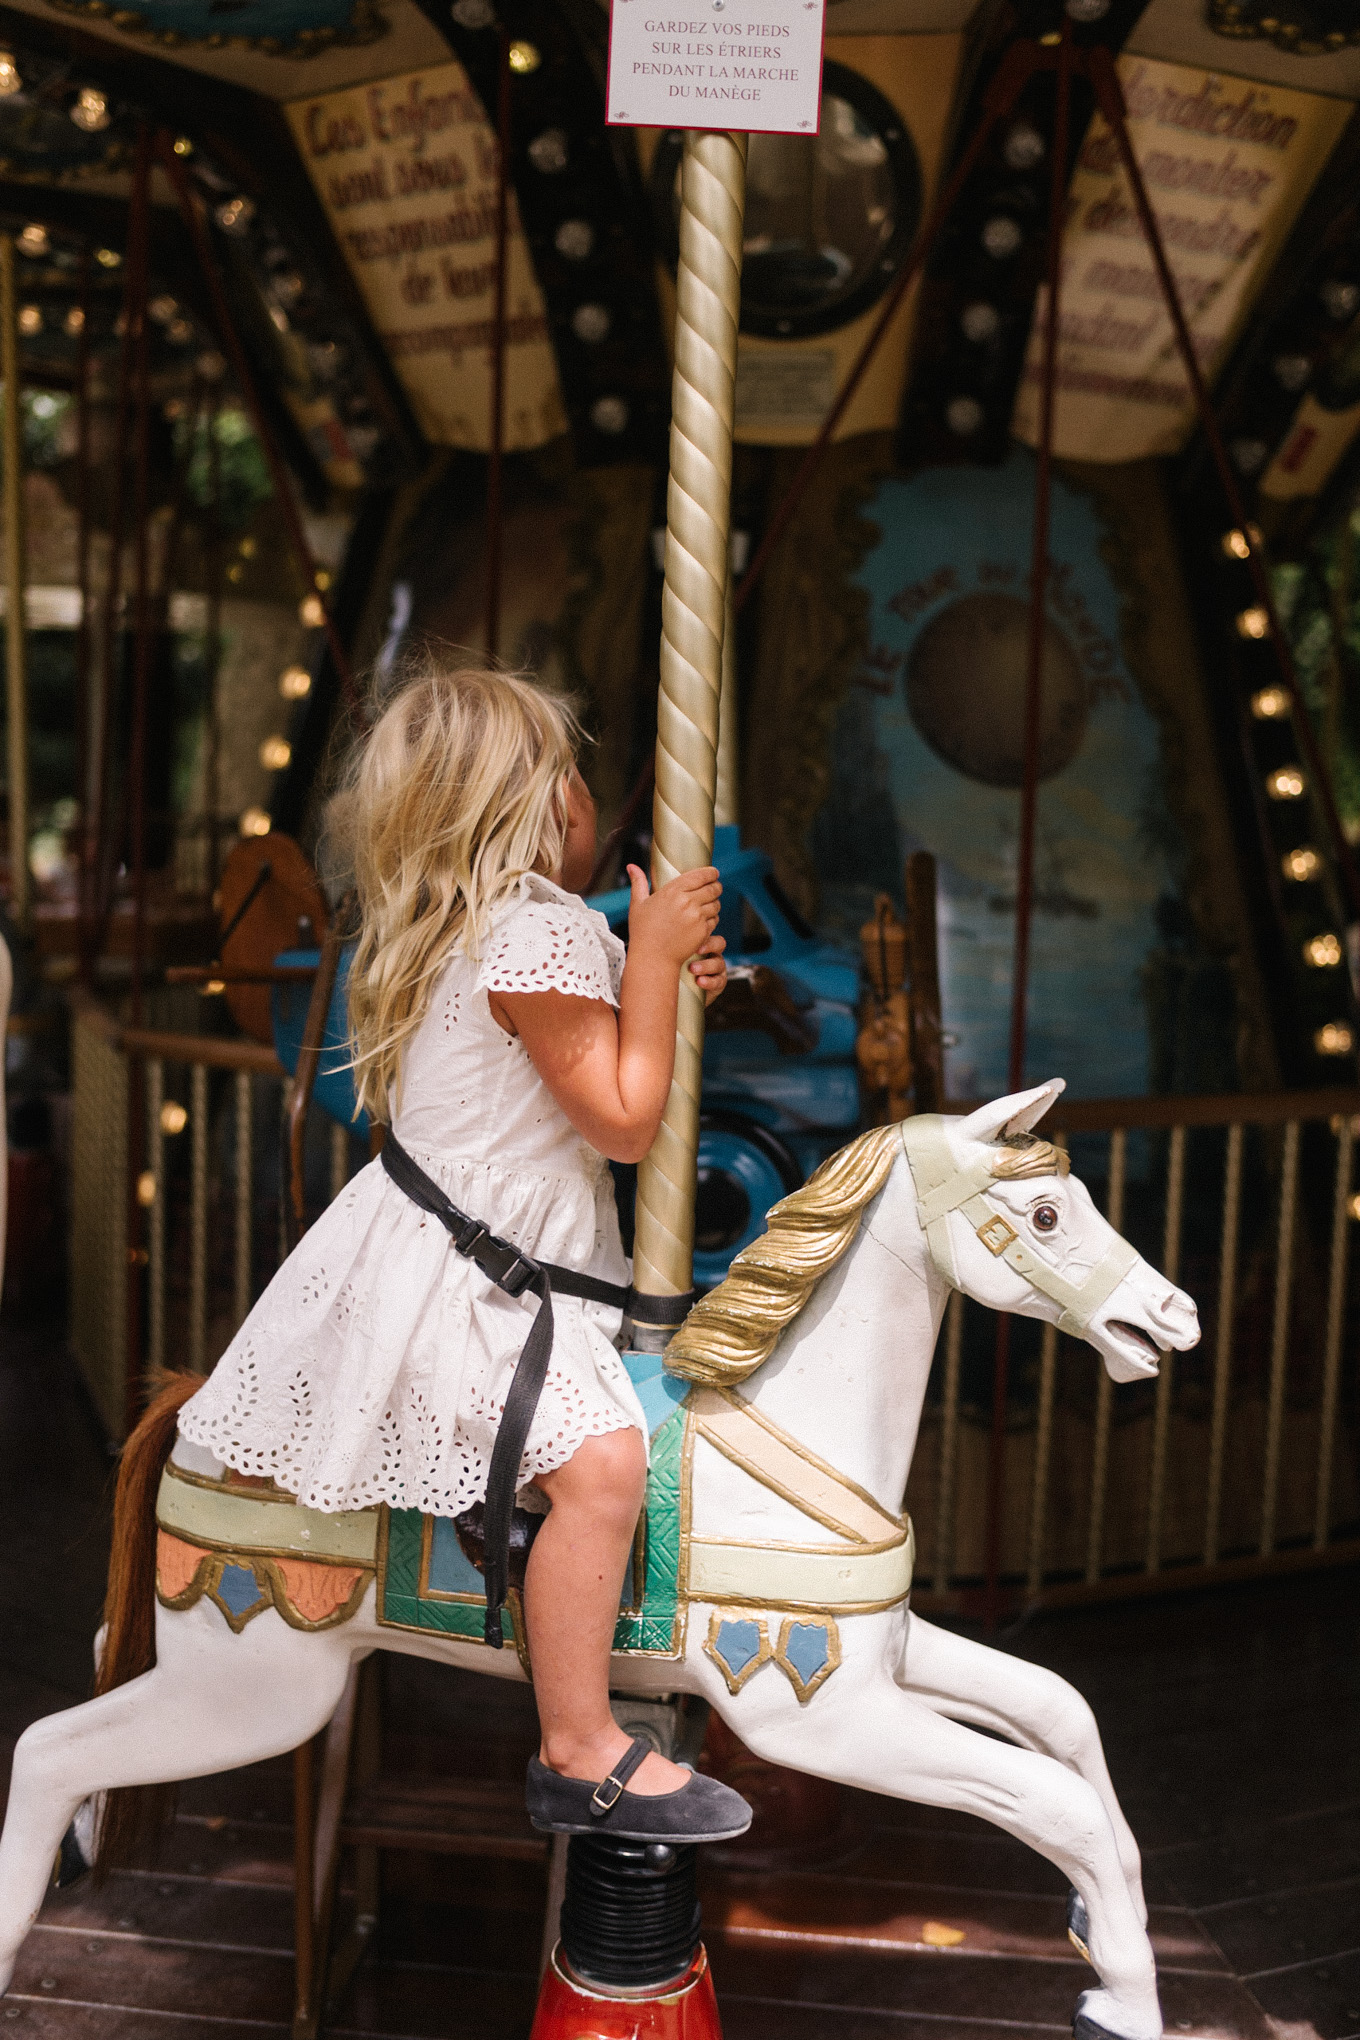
{"x": 518, "y": 1274}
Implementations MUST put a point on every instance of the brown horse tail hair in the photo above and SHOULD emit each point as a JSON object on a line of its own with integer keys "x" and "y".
{"x": 134, "y": 1815}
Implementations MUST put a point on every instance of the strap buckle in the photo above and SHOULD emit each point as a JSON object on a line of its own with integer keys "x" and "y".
{"x": 997, "y": 1234}
{"x": 600, "y": 1806}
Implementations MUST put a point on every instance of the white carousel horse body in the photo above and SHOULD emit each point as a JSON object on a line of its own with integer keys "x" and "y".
{"x": 897, "y": 1716}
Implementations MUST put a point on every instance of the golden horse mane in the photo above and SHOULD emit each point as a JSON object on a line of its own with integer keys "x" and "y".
{"x": 733, "y": 1330}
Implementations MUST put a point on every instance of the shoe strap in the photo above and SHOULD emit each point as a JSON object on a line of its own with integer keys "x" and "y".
{"x": 609, "y": 1791}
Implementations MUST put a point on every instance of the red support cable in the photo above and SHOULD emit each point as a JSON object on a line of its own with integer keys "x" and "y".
{"x": 191, "y": 207}
{"x": 138, "y": 339}
{"x": 1110, "y": 99}
{"x": 1034, "y": 688}
{"x": 1017, "y": 67}
{"x": 495, "y": 508}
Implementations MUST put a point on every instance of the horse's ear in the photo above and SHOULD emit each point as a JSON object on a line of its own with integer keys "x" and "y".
{"x": 1016, "y": 1114}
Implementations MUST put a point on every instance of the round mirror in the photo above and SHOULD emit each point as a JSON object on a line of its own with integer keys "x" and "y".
{"x": 828, "y": 216}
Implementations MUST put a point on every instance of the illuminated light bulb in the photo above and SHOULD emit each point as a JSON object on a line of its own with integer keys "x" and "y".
{"x": 312, "y": 612}
{"x": 146, "y": 1188}
{"x": 74, "y": 322}
{"x": 1353, "y": 1207}
{"x": 91, "y": 110}
{"x": 609, "y": 414}
{"x": 295, "y": 683}
{"x": 34, "y": 240}
{"x": 174, "y": 1117}
{"x": 1252, "y": 623}
{"x": 108, "y": 258}
{"x": 1001, "y": 236}
{"x": 256, "y": 821}
{"x": 214, "y": 988}
{"x": 162, "y": 309}
{"x": 211, "y": 365}
{"x": 550, "y": 152}
{"x": 1301, "y": 865}
{"x": 591, "y": 323}
{"x": 1336, "y": 1038}
{"x": 10, "y": 81}
{"x": 183, "y": 146}
{"x": 1286, "y": 784}
{"x": 30, "y": 319}
{"x": 179, "y": 332}
{"x": 174, "y": 410}
{"x": 574, "y": 240}
{"x": 1236, "y": 545}
{"x": 235, "y": 572}
{"x": 964, "y": 416}
{"x": 1270, "y": 704}
{"x": 275, "y": 753}
{"x": 321, "y": 579}
{"x": 980, "y": 322}
{"x": 235, "y": 215}
{"x": 1322, "y": 952}
{"x": 247, "y": 548}
{"x": 1024, "y": 146}
{"x": 522, "y": 58}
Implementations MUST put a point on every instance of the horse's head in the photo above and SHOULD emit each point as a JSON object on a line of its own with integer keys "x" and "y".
{"x": 1011, "y": 1227}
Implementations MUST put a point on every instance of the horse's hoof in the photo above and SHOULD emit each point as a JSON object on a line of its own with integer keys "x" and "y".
{"x": 1078, "y": 1925}
{"x": 70, "y": 1865}
{"x": 1084, "y": 2027}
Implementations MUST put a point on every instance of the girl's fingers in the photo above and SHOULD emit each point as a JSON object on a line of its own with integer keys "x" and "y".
{"x": 637, "y": 879}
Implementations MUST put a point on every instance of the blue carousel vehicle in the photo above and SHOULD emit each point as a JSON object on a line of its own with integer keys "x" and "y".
{"x": 781, "y": 1088}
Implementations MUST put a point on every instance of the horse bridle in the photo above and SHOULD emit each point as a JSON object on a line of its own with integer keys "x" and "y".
{"x": 942, "y": 1186}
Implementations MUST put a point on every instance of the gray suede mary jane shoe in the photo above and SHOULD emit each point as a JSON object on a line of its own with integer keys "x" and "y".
{"x": 700, "y": 1810}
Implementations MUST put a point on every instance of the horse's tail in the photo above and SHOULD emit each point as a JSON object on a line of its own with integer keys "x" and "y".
{"x": 133, "y": 1814}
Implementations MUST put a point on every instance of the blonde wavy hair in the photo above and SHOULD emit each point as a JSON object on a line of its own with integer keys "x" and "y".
{"x": 733, "y": 1330}
{"x": 458, "y": 791}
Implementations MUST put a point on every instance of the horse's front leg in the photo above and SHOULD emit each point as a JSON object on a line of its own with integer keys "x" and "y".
{"x": 865, "y": 1730}
{"x": 1033, "y": 1706}
{"x": 212, "y": 1702}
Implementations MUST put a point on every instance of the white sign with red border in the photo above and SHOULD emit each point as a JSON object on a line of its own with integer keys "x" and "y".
{"x": 751, "y": 65}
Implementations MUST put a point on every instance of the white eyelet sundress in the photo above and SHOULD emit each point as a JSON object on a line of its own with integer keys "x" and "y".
{"x": 375, "y": 1366}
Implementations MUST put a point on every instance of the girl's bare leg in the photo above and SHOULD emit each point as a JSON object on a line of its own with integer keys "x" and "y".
{"x": 571, "y": 1603}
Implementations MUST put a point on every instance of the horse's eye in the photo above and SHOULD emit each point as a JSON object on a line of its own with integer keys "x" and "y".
{"x": 1045, "y": 1218}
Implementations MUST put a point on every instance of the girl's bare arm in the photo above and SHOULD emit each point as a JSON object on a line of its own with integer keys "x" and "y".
{"x": 611, "y": 1072}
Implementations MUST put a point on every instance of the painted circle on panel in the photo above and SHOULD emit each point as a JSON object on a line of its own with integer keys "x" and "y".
{"x": 965, "y": 689}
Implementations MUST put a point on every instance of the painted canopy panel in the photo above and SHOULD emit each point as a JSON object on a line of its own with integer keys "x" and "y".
{"x": 271, "y": 24}
{"x": 1227, "y": 165}
{"x": 406, "y": 169}
{"x": 928, "y": 754}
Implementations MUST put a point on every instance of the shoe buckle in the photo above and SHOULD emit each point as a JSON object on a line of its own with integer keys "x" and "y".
{"x": 599, "y": 1805}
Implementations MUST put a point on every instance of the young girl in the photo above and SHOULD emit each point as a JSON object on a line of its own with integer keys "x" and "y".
{"x": 501, "y": 1035}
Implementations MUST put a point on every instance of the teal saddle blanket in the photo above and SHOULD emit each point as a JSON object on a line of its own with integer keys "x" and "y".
{"x": 427, "y": 1582}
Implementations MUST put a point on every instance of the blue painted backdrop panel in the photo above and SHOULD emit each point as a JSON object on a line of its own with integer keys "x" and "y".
{"x": 954, "y": 540}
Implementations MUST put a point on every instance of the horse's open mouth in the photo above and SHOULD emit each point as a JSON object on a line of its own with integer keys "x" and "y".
{"x": 1137, "y": 1335}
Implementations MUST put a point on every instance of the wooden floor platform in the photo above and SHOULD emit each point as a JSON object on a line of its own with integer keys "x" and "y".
{"x": 1230, "y": 1723}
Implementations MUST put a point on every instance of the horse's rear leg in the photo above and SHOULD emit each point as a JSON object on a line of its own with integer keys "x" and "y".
{"x": 868, "y": 1732}
{"x": 213, "y": 1702}
{"x": 990, "y": 1689}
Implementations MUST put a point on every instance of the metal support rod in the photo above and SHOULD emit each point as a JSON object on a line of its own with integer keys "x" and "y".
{"x": 1227, "y": 1298}
{"x": 1279, "y": 1336}
{"x": 137, "y": 339}
{"x": 693, "y": 606}
{"x": 155, "y": 1241}
{"x": 1336, "y": 1314}
{"x": 16, "y": 620}
{"x": 1161, "y": 1422}
{"x": 212, "y": 758}
{"x": 1029, "y": 786}
{"x": 495, "y": 504}
{"x": 725, "y": 790}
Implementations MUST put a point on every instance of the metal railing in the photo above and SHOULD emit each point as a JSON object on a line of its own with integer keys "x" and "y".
{"x": 1241, "y": 1457}
{"x": 176, "y": 1205}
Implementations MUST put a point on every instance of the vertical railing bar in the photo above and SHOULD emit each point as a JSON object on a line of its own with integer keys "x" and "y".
{"x": 1331, "y": 1352}
{"x": 1100, "y": 1462}
{"x": 155, "y": 1242}
{"x": 1227, "y": 1296}
{"x": 1043, "y": 1439}
{"x": 339, "y": 1158}
{"x": 1161, "y": 1422}
{"x": 245, "y": 1207}
{"x": 1279, "y": 1339}
{"x": 949, "y": 1441}
{"x": 285, "y": 1089}
{"x": 198, "y": 1218}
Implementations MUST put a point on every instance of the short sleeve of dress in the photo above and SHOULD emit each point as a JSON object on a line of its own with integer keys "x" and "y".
{"x": 558, "y": 945}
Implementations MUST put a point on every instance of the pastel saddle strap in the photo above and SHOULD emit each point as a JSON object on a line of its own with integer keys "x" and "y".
{"x": 518, "y": 1274}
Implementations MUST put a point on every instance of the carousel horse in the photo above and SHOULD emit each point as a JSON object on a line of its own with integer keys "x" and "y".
{"x": 773, "y": 1570}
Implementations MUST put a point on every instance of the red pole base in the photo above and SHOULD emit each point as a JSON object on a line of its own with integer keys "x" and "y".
{"x": 569, "y": 2009}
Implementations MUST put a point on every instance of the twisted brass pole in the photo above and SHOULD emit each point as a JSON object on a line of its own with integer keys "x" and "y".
{"x": 708, "y": 299}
